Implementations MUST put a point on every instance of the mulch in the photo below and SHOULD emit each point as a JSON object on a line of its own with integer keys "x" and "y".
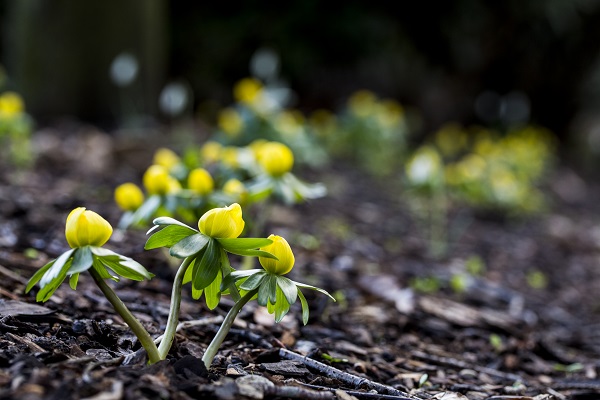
{"x": 499, "y": 338}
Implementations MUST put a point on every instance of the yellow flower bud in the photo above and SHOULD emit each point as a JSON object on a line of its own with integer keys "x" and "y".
{"x": 230, "y": 121}
{"x": 129, "y": 196}
{"x": 11, "y": 104}
{"x": 210, "y": 151}
{"x": 235, "y": 188}
{"x": 200, "y": 181}
{"x": 166, "y": 158}
{"x": 223, "y": 223}
{"x": 247, "y": 90}
{"x": 86, "y": 228}
{"x": 276, "y": 158}
{"x": 281, "y": 249}
{"x": 173, "y": 185}
{"x": 156, "y": 180}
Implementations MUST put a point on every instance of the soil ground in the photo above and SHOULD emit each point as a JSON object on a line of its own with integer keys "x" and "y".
{"x": 526, "y": 326}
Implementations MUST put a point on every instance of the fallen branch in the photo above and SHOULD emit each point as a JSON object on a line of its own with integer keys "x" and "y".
{"x": 349, "y": 379}
{"x": 359, "y": 395}
{"x": 451, "y": 362}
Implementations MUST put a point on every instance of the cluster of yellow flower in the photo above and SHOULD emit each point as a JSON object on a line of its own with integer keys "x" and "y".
{"x": 482, "y": 168}
{"x": 218, "y": 175}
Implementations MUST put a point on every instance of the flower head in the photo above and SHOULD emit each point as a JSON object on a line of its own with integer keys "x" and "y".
{"x": 275, "y": 158}
{"x": 129, "y": 196}
{"x": 230, "y": 121}
{"x": 166, "y": 158}
{"x": 200, "y": 181}
{"x": 86, "y": 228}
{"x": 281, "y": 249}
{"x": 156, "y": 180}
{"x": 235, "y": 188}
{"x": 222, "y": 223}
{"x": 11, "y": 104}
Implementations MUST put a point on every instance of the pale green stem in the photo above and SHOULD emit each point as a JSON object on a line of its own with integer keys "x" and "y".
{"x": 213, "y": 347}
{"x": 173, "y": 320}
{"x": 133, "y": 323}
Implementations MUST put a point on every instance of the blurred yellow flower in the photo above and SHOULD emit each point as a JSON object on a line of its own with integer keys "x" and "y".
{"x": 157, "y": 180}
{"x": 11, "y": 104}
{"x": 229, "y": 157}
{"x": 247, "y": 90}
{"x": 230, "y": 121}
{"x": 200, "y": 181}
{"x": 86, "y": 228}
{"x": 362, "y": 103}
{"x": 210, "y": 152}
{"x": 166, "y": 158}
{"x": 222, "y": 223}
{"x": 389, "y": 113}
{"x": 281, "y": 249}
{"x": 129, "y": 196}
{"x": 276, "y": 158}
{"x": 451, "y": 139}
{"x": 289, "y": 123}
{"x": 235, "y": 188}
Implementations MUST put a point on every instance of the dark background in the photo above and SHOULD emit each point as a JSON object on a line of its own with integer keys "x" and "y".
{"x": 435, "y": 56}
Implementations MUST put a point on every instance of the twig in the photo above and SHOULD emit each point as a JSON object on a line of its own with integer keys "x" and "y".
{"x": 349, "y": 379}
{"x": 295, "y": 392}
{"x": 451, "y": 362}
{"x": 360, "y": 395}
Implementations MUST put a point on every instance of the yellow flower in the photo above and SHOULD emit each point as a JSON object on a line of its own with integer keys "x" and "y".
{"x": 247, "y": 90}
{"x": 276, "y": 158}
{"x": 173, "y": 185}
{"x": 210, "y": 152}
{"x": 230, "y": 121}
{"x": 11, "y": 104}
{"x": 129, "y": 196}
{"x": 362, "y": 103}
{"x": 157, "y": 180}
{"x": 166, "y": 158}
{"x": 235, "y": 188}
{"x": 200, "y": 181}
{"x": 230, "y": 157}
{"x": 281, "y": 249}
{"x": 223, "y": 223}
{"x": 86, "y": 228}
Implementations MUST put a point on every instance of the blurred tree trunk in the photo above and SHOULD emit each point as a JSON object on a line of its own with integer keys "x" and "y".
{"x": 58, "y": 53}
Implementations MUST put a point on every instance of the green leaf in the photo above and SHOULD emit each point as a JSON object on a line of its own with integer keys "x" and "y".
{"x": 168, "y": 236}
{"x": 38, "y": 275}
{"x": 226, "y": 270}
{"x": 207, "y": 270}
{"x": 305, "y": 309}
{"x": 57, "y": 268}
{"x": 82, "y": 260}
{"x": 237, "y": 275}
{"x": 288, "y": 288}
{"x": 305, "y": 286}
{"x": 254, "y": 280}
{"x": 73, "y": 281}
{"x": 281, "y": 306}
{"x": 170, "y": 221}
{"x": 48, "y": 290}
{"x": 267, "y": 290}
{"x": 247, "y": 246}
{"x": 196, "y": 293}
{"x": 212, "y": 294}
{"x": 244, "y": 243}
{"x": 190, "y": 245}
{"x": 187, "y": 277}
{"x": 146, "y": 210}
{"x": 100, "y": 268}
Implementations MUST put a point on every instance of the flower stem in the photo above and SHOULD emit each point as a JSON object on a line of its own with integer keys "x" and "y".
{"x": 173, "y": 320}
{"x": 213, "y": 347}
{"x": 133, "y": 323}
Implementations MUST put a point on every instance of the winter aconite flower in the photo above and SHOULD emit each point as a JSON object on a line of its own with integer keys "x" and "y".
{"x": 275, "y": 158}
{"x": 285, "y": 258}
{"x": 166, "y": 158}
{"x": 86, "y": 228}
{"x": 129, "y": 196}
{"x": 236, "y": 189}
{"x": 200, "y": 181}
{"x": 224, "y": 223}
{"x": 157, "y": 180}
